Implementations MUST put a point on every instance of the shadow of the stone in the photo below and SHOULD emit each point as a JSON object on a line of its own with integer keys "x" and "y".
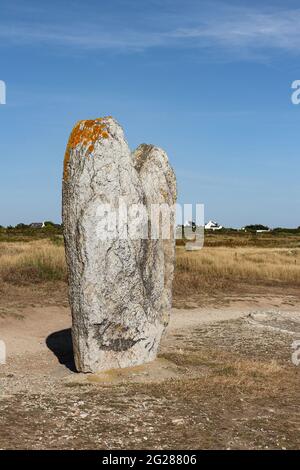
{"x": 60, "y": 343}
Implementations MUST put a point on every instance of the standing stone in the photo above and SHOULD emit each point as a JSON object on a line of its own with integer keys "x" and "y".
{"x": 159, "y": 187}
{"x": 119, "y": 286}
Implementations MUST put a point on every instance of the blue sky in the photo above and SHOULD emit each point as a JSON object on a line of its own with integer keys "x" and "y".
{"x": 208, "y": 81}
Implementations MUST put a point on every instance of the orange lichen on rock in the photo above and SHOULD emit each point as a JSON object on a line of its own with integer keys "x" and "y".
{"x": 85, "y": 133}
{"x": 66, "y": 164}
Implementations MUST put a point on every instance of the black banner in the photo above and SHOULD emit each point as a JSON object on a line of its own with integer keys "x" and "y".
{"x": 136, "y": 459}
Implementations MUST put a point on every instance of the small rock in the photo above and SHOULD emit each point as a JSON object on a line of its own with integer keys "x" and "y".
{"x": 178, "y": 421}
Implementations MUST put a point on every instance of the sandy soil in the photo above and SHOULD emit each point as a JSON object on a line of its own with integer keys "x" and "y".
{"x": 223, "y": 379}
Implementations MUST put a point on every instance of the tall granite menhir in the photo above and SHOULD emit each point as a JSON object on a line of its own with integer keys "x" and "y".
{"x": 119, "y": 287}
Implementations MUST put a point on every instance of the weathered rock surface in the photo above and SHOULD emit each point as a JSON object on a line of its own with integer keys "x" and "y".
{"x": 119, "y": 287}
{"x": 159, "y": 187}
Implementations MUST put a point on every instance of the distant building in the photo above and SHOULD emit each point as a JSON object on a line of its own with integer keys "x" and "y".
{"x": 37, "y": 225}
{"x": 211, "y": 225}
{"x": 189, "y": 223}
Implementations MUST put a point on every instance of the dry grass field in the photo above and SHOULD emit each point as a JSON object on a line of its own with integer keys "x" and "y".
{"x": 213, "y": 271}
{"x": 217, "y": 266}
{"x": 224, "y": 376}
{"x": 200, "y": 277}
{"x": 31, "y": 262}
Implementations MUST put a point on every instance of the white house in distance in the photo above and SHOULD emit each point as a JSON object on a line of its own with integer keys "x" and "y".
{"x": 188, "y": 223}
{"x": 211, "y": 225}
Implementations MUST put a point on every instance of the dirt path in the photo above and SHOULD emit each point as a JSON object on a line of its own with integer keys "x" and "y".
{"x": 40, "y": 341}
{"x": 209, "y": 359}
{"x": 40, "y": 344}
{"x": 28, "y": 335}
{"x": 23, "y": 336}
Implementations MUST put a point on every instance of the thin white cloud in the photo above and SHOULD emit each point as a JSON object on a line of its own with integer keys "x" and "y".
{"x": 249, "y": 29}
{"x": 233, "y": 29}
